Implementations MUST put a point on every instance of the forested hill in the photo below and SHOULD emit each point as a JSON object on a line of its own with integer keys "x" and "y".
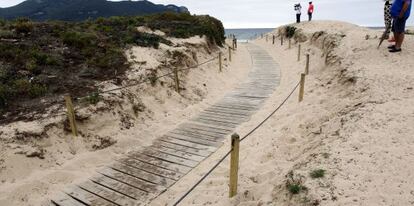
{"x": 78, "y": 10}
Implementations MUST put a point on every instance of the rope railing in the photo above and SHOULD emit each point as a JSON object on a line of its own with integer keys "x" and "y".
{"x": 229, "y": 152}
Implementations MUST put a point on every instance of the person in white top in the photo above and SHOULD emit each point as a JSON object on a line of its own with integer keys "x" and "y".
{"x": 298, "y": 9}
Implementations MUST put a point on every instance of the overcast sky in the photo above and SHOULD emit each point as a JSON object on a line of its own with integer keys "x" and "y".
{"x": 271, "y": 13}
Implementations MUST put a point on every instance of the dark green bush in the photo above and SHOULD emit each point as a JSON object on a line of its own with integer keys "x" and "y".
{"x": 79, "y": 40}
{"x": 23, "y": 26}
{"x": 290, "y": 31}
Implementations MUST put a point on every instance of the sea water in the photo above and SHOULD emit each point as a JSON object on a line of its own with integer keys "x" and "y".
{"x": 244, "y": 35}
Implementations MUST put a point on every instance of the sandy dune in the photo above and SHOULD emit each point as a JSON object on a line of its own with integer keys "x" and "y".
{"x": 356, "y": 123}
{"x": 39, "y": 158}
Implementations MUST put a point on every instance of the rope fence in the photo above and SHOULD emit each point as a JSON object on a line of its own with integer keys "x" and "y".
{"x": 229, "y": 152}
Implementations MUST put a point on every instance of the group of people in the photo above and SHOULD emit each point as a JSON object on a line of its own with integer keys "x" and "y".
{"x": 298, "y": 9}
{"x": 396, "y": 13}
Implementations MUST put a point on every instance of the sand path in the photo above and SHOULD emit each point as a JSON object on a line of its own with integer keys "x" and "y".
{"x": 143, "y": 175}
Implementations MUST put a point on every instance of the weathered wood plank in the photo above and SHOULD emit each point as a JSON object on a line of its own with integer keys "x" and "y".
{"x": 146, "y": 176}
{"x": 216, "y": 124}
{"x": 193, "y": 139}
{"x": 62, "y": 199}
{"x": 204, "y": 135}
{"x": 170, "y": 158}
{"x": 218, "y": 119}
{"x": 223, "y": 117}
{"x": 120, "y": 187}
{"x": 87, "y": 197}
{"x": 151, "y": 168}
{"x": 160, "y": 163}
{"x": 132, "y": 181}
{"x": 188, "y": 144}
{"x": 182, "y": 154}
{"x": 198, "y": 126}
{"x": 110, "y": 195}
{"x": 190, "y": 150}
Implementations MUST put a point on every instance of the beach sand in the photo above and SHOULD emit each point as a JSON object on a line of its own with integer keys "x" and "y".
{"x": 355, "y": 123}
{"x": 40, "y": 158}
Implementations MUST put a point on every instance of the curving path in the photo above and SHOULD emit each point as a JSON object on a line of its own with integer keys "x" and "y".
{"x": 141, "y": 176}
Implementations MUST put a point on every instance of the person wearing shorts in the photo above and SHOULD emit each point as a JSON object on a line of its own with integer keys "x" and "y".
{"x": 400, "y": 12}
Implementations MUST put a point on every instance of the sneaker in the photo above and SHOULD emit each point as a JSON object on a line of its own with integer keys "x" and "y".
{"x": 391, "y": 47}
{"x": 395, "y": 50}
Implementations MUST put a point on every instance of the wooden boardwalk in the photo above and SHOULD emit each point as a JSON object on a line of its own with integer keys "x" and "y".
{"x": 141, "y": 176}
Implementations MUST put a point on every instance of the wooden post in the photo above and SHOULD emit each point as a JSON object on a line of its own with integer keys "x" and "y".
{"x": 302, "y": 87}
{"x": 229, "y": 53}
{"x": 307, "y": 64}
{"x": 273, "y": 41}
{"x": 290, "y": 43}
{"x": 281, "y": 40}
{"x": 299, "y": 52}
{"x": 235, "y": 43}
{"x": 177, "y": 80}
{"x": 234, "y": 164}
{"x": 71, "y": 115}
{"x": 220, "y": 62}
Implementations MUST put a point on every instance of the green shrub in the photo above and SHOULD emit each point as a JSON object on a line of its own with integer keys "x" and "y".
{"x": 290, "y": 31}
{"x": 7, "y": 34}
{"x": 296, "y": 188}
{"x": 319, "y": 173}
{"x": 79, "y": 40}
{"x": 93, "y": 98}
{"x": 37, "y": 90}
{"x": 23, "y": 26}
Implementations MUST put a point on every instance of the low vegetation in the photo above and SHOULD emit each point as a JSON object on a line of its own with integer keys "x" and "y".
{"x": 290, "y": 31}
{"x": 51, "y": 58}
{"x": 319, "y": 173}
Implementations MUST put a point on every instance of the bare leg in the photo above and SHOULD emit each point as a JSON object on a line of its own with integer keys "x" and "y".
{"x": 400, "y": 40}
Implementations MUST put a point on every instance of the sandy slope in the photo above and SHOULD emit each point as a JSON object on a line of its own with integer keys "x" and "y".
{"x": 356, "y": 123}
{"x": 66, "y": 160}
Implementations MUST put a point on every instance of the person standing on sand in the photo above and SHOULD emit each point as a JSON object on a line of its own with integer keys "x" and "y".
{"x": 310, "y": 11}
{"x": 400, "y": 12}
{"x": 298, "y": 9}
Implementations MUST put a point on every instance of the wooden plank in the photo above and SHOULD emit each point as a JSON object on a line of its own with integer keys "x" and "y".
{"x": 193, "y": 139}
{"x": 247, "y": 117}
{"x": 151, "y": 168}
{"x": 216, "y": 123}
{"x": 182, "y": 154}
{"x": 190, "y": 150}
{"x": 221, "y": 120}
{"x": 63, "y": 199}
{"x": 225, "y": 111}
{"x": 143, "y": 175}
{"x": 188, "y": 144}
{"x": 223, "y": 117}
{"x": 233, "y": 107}
{"x": 86, "y": 197}
{"x": 160, "y": 163}
{"x": 170, "y": 158}
{"x": 207, "y": 136}
{"x": 132, "y": 181}
{"x": 120, "y": 187}
{"x": 110, "y": 195}
{"x": 197, "y": 126}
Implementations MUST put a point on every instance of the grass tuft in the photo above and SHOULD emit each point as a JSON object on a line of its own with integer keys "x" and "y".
{"x": 319, "y": 173}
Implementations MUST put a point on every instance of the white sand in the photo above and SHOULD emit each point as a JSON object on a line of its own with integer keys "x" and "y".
{"x": 356, "y": 123}
{"x": 67, "y": 160}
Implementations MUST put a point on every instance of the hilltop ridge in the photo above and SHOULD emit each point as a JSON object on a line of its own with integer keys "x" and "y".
{"x": 78, "y": 10}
